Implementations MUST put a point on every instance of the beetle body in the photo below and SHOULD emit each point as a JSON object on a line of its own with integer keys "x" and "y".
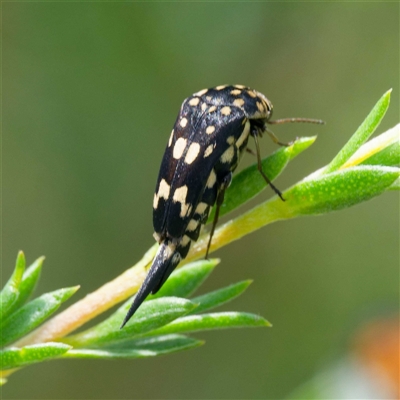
{"x": 205, "y": 146}
{"x": 209, "y": 137}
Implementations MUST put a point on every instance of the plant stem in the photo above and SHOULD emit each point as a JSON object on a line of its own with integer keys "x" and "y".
{"x": 271, "y": 211}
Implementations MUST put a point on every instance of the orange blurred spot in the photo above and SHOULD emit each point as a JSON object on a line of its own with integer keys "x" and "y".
{"x": 377, "y": 345}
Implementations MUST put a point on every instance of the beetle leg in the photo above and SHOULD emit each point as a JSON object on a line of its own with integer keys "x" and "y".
{"x": 220, "y": 199}
{"x": 251, "y": 151}
{"x": 259, "y": 166}
{"x": 275, "y": 139}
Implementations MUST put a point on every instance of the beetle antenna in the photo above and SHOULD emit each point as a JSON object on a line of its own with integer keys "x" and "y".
{"x": 286, "y": 120}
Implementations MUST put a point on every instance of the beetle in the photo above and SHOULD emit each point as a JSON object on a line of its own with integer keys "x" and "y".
{"x": 209, "y": 137}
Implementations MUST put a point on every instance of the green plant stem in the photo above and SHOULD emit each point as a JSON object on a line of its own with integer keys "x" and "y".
{"x": 271, "y": 211}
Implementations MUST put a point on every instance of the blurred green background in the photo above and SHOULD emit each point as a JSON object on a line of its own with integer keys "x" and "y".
{"x": 90, "y": 94}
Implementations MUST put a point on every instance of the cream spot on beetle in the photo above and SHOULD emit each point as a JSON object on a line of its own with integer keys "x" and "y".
{"x": 251, "y": 93}
{"x": 157, "y": 237}
{"x": 204, "y": 106}
{"x": 210, "y": 129}
{"x": 240, "y": 86}
{"x": 170, "y": 250}
{"x": 155, "y": 201}
{"x": 170, "y": 138}
{"x": 183, "y": 122}
{"x": 238, "y": 102}
{"x": 220, "y": 87}
{"x": 201, "y": 92}
{"x": 212, "y": 109}
{"x": 236, "y": 92}
{"x": 179, "y": 147}
{"x": 211, "y": 179}
{"x": 266, "y": 105}
{"x": 185, "y": 241}
{"x": 226, "y": 110}
{"x": 209, "y": 150}
{"x": 244, "y": 135}
{"x": 163, "y": 192}
{"x": 185, "y": 210}
{"x": 228, "y": 155}
{"x": 260, "y": 106}
{"x": 208, "y": 98}
{"x": 192, "y": 153}
{"x": 201, "y": 208}
{"x": 192, "y": 225}
{"x": 180, "y": 194}
{"x": 230, "y": 140}
{"x": 194, "y": 101}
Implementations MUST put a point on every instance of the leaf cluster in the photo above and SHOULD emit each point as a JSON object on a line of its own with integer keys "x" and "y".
{"x": 158, "y": 328}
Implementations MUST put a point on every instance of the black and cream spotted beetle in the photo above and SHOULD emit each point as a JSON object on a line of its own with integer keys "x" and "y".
{"x": 204, "y": 148}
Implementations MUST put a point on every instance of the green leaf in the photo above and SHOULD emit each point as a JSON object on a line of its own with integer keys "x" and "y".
{"x": 18, "y": 357}
{"x": 154, "y": 343}
{"x": 383, "y": 149}
{"x": 33, "y": 314}
{"x": 221, "y": 296}
{"x": 389, "y": 156}
{"x": 249, "y": 182}
{"x": 340, "y": 189}
{"x": 28, "y": 283}
{"x": 10, "y": 292}
{"x": 312, "y": 196}
{"x": 184, "y": 281}
{"x": 151, "y": 315}
{"x": 210, "y": 321}
{"x": 365, "y": 130}
{"x": 148, "y": 347}
{"x": 395, "y": 185}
